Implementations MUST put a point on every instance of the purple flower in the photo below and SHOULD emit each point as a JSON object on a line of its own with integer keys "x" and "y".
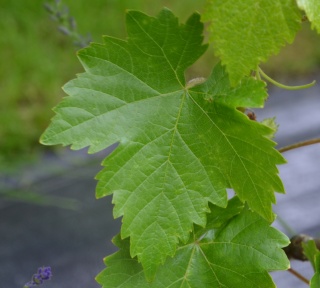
{"x": 44, "y": 273}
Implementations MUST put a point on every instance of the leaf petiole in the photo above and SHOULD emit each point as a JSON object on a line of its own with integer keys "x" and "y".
{"x": 274, "y": 82}
{"x": 299, "y": 144}
{"x": 298, "y": 275}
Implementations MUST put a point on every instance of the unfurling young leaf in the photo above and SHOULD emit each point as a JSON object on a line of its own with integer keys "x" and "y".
{"x": 271, "y": 123}
{"x": 232, "y": 255}
{"x": 179, "y": 147}
{"x": 246, "y": 33}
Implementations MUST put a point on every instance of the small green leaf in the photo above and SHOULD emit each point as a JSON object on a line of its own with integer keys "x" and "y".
{"x": 250, "y": 93}
{"x": 315, "y": 280}
{"x": 123, "y": 271}
{"x": 312, "y": 9}
{"x": 310, "y": 250}
{"x": 259, "y": 28}
{"x": 220, "y": 216}
{"x": 238, "y": 255}
{"x": 271, "y": 123}
{"x": 313, "y": 254}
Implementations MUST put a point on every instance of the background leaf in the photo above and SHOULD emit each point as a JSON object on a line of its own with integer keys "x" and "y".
{"x": 259, "y": 28}
{"x": 211, "y": 260}
{"x": 311, "y": 251}
{"x": 312, "y": 9}
{"x": 315, "y": 280}
{"x": 178, "y": 149}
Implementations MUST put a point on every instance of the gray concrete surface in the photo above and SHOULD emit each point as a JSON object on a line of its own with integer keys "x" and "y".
{"x": 73, "y": 243}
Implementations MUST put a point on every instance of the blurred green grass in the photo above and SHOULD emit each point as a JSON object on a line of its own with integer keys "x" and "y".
{"x": 36, "y": 60}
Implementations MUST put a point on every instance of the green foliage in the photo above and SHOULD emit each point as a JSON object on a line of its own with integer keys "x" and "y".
{"x": 181, "y": 145}
{"x": 210, "y": 259}
{"x": 311, "y": 251}
{"x": 313, "y": 254}
{"x": 30, "y": 78}
{"x": 258, "y": 29}
{"x": 36, "y": 60}
{"x": 193, "y": 143}
{"x": 312, "y": 9}
{"x": 271, "y": 123}
{"x": 315, "y": 280}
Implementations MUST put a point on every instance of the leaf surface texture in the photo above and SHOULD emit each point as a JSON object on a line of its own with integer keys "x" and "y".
{"x": 180, "y": 147}
{"x": 228, "y": 256}
{"x": 259, "y": 28}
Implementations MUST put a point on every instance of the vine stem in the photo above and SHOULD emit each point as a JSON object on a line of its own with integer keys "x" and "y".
{"x": 298, "y": 275}
{"x": 299, "y": 144}
{"x": 274, "y": 82}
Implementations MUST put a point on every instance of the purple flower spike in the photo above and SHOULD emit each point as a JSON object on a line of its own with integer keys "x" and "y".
{"x": 44, "y": 273}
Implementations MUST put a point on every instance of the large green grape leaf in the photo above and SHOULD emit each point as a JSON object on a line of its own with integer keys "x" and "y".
{"x": 179, "y": 147}
{"x": 238, "y": 254}
{"x": 246, "y": 33}
{"x": 312, "y": 9}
